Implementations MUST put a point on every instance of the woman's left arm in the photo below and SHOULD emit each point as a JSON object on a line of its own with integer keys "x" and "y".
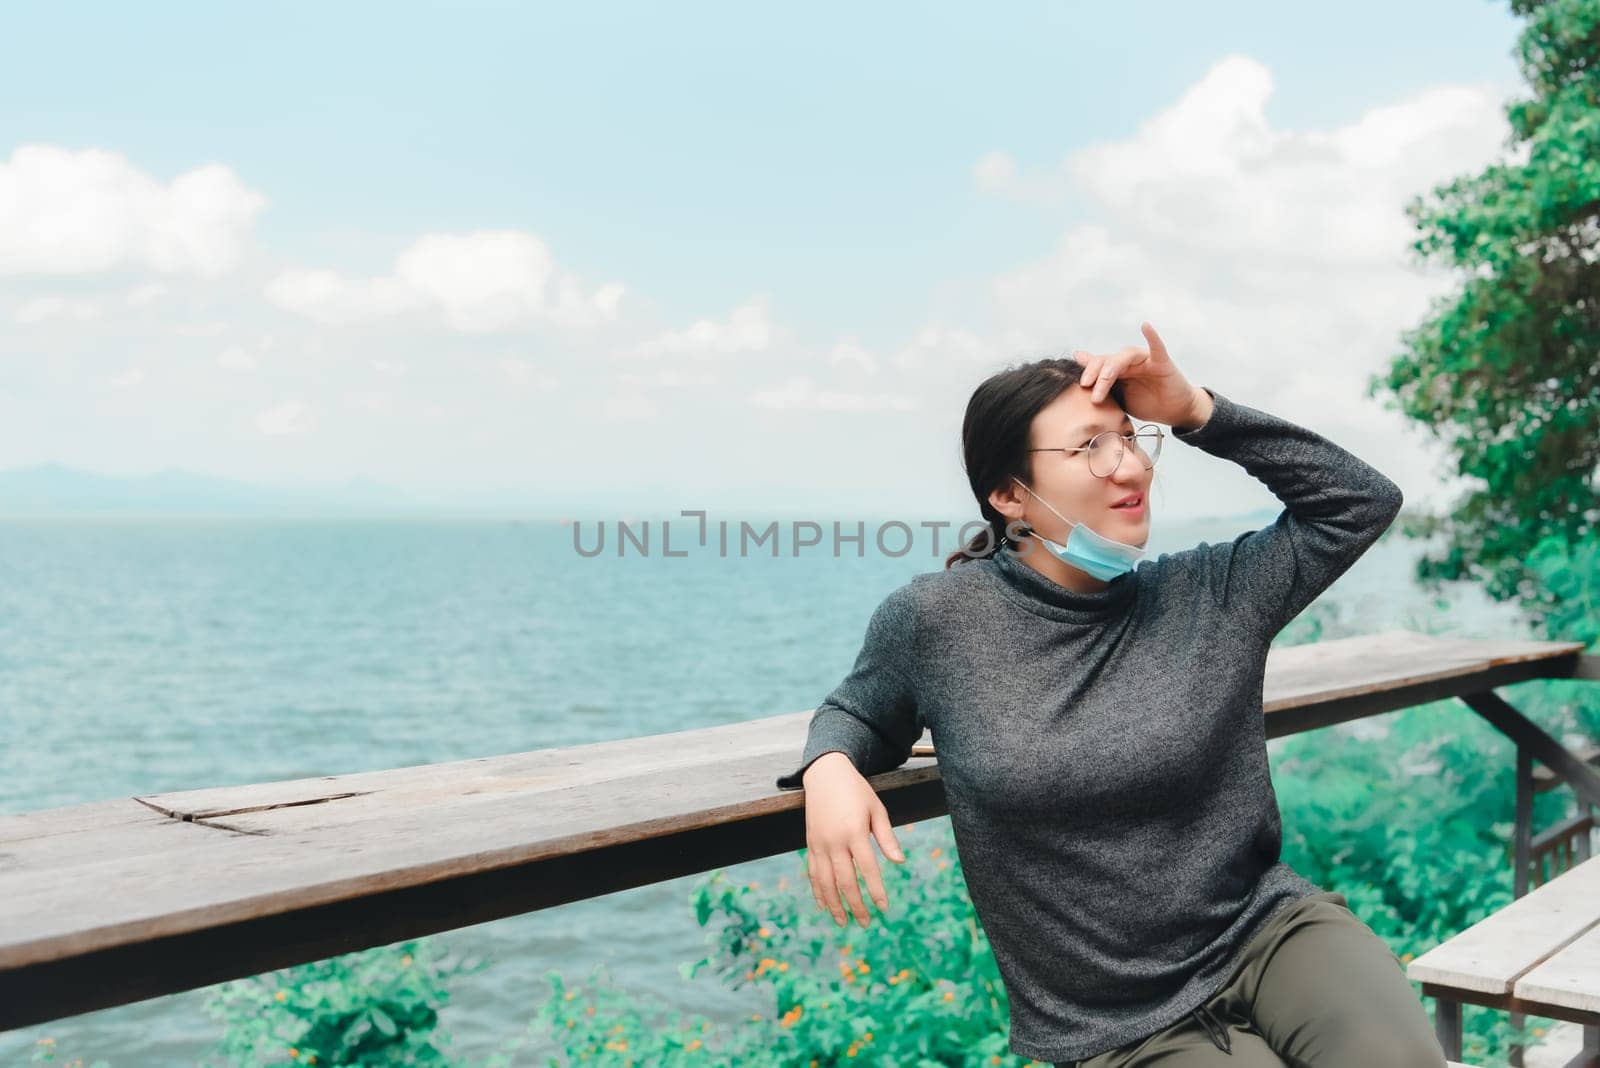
{"x": 1336, "y": 507}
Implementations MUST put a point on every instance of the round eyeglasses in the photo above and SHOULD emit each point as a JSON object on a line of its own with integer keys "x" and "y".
{"x": 1105, "y": 449}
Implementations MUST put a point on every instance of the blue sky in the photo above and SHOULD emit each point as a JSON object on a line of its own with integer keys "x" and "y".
{"x": 895, "y": 195}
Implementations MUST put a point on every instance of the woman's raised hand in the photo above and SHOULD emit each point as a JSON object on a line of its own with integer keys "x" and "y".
{"x": 843, "y": 817}
{"x": 1152, "y": 386}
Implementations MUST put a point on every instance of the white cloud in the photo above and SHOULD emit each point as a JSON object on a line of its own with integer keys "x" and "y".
{"x": 998, "y": 173}
{"x": 133, "y": 376}
{"x": 628, "y": 408}
{"x": 148, "y": 293}
{"x": 1211, "y": 176}
{"x": 524, "y": 373}
{"x": 666, "y": 378}
{"x": 388, "y": 367}
{"x": 81, "y": 212}
{"x": 369, "y": 400}
{"x": 932, "y": 345}
{"x": 995, "y": 171}
{"x": 479, "y": 282}
{"x": 748, "y": 328}
{"x": 1275, "y": 262}
{"x": 937, "y": 343}
{"x": 236, "y": 358}
{"x": 798, "y": 392}
{"x": 329, "y": 298}
{"x": 292, "y": 418}
{"x": 80, "y": 309}
{"x": 850, "y": 352}
{"x": 44, "y": 309}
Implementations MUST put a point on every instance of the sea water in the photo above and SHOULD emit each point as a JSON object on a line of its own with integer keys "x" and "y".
{"x": 142, "y": 656}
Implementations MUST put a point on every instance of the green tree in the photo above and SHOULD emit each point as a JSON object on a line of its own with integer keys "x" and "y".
{"x": 1507, "y": 369}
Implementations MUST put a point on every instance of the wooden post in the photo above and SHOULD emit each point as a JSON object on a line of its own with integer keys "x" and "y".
{"x": 1447, "y": 1026}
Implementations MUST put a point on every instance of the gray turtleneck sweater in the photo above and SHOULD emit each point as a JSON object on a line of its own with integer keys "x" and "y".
{"x": 1103, "y": 754}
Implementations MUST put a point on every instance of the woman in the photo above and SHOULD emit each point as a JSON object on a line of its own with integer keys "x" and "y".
{"x": 1099, "y": 727}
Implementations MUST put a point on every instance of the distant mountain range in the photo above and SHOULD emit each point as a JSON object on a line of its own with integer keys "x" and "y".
{"x": 49, "y": 490}
{"x": 53, "y": 489}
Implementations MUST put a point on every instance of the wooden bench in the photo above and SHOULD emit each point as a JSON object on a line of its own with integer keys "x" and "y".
{"x": 1538, "y": 956}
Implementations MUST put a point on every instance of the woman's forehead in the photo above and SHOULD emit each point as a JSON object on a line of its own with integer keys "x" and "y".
{"x": 1074, "y": 412}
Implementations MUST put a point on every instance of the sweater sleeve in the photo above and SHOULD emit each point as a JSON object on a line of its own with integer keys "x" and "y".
{"x": 872, "y": 716}
{"x": 1335, "y": 508}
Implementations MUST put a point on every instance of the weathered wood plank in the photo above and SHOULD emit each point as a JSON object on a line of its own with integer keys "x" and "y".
{"x": 593, "y": 762}
{"x": 122, "y": 829}
{"x": 1323, "y": 683}
{"x": 298, "y": 856}
{"x": 337, "y": 894}
{"x": 1493, "y": 954}
{"x": 1326, "y": 671}
{"x": 1570, "y": 979}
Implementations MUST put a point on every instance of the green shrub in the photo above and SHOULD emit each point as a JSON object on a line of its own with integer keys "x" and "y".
{"x": 375, "y": 1007}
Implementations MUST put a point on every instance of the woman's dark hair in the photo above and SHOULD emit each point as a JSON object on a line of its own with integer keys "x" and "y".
{"x": 994, "y": 438}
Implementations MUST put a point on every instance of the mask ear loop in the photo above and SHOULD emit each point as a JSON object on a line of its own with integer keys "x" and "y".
{"x": 1044, "y": 502}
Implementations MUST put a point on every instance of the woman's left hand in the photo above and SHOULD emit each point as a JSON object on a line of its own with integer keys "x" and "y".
{"x": 1152, "y": 386}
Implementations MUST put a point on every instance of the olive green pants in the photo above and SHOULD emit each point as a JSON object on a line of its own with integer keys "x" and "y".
{"x": 1315, "y": 988}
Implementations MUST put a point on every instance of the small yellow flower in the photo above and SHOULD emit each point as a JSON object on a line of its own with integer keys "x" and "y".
{"x": 405, "y": 961}
{"x": 935, "y": 851}
{"x": 763, "y": 932}
{"x": 949, "y": 995}
{"x": 693, "y": 1045}
{"x": 279, "y": 996}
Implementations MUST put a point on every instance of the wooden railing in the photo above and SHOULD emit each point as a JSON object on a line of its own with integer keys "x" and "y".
{"x": 116, "y": 901}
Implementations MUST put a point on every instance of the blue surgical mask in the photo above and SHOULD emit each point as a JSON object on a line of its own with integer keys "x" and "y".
{"x": 1102, "y": 557}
